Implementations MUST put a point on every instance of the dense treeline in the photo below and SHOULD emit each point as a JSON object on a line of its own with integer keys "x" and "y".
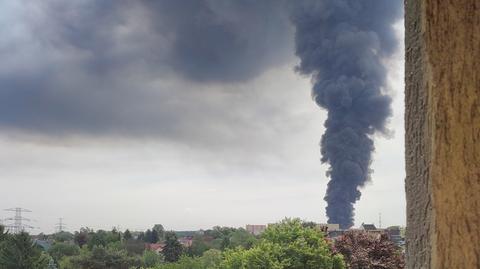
{"x": 100, "y": 249}
{"x": 289, "y": 244}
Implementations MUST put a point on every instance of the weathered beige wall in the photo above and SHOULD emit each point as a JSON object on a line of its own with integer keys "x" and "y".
{"x": 442, "y": 120}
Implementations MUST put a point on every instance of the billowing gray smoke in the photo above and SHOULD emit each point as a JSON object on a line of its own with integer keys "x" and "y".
{"x": 341, "y": 44}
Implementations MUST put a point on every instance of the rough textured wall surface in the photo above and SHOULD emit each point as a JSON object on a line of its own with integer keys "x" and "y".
{"x": 443, "y": 133}
{"x": 417, "y": 151}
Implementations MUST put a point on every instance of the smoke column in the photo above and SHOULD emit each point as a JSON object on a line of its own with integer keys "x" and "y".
{"x": 341, "y": 44}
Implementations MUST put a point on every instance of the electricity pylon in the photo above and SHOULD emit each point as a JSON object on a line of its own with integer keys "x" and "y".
{"x": 60, "y": 226}
{"x": 18, "y": 224}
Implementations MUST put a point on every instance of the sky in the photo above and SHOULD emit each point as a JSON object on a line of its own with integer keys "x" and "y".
{"x": 184, "y": 113}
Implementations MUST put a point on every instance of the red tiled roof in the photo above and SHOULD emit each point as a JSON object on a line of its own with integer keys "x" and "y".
{"x": 155, "y": 246}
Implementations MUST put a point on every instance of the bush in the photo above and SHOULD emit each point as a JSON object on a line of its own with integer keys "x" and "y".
{"x": 363, "y": 250}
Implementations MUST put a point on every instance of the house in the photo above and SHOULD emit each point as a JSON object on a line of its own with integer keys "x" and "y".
{"x": 186, "y": 241}
{"x": 368, "y": 227}
{"x": 331, "y": 230}
{"x": 371, "y": 229}
{"x": 329, "y": 227}
{"x": 157, "y": 247}
{"x": 395, "y": 235}
{"x": 44, "y": 244}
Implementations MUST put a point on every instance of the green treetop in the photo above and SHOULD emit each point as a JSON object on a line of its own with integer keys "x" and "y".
{"x": 288, "y": 244}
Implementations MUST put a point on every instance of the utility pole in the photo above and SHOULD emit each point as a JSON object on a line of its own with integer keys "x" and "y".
{"x": 379, "y": 220}
{"x": 60, "y": 226}
{"x": 18, "y": 225}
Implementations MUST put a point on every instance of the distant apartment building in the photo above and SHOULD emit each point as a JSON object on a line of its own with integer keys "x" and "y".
{"x": 255, "y": 229}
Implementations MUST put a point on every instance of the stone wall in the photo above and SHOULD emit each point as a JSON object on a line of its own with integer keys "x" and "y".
{"x": 442, "y": 120}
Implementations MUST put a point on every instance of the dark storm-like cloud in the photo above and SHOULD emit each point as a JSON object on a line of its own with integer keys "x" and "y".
{"x": 132, "y": 67}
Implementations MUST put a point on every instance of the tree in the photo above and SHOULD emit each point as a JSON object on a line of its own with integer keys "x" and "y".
{"x": 364, "y": 250}
{"x": 3, "y": 233}
{"x": 220, "y": 232}
{"x": 60, "y": 250}
{"x": 225, "y": 242}
{"x": 134, "y": 247}
{"x": 51, "y": 264}
{"x": 63, "y": 236}
{"x": 154, "y": 238}
{"x": 81, "y": 238}
{"x": 151, "y": 258}
{"x": 97, "y": 239}
{"x": 211, "y": 258}
{"x": 217, "y": 243}
{"x": 114, "y": 236}
{"x": 66, "y": 263}
{"x": 141, "y": 236}
{"x": 148, "y": 236}
{"x": 42, "y": 236}
{"x": 287, "y": 244}
{"x": 151, "y": 236}
{"x": 104, "y": 258}
{"x": 198, "y": 246}
{"x": 127, "y": 235}
{"x": 184, "y": 262}
{"x": 19, "y": 252}
{"x": 264, "y": 255}
{"x": 241, "y": 238}
{"x": 309, "y": 224}
{"x": 160, "y": 230}
{"x": 173, "y": 249}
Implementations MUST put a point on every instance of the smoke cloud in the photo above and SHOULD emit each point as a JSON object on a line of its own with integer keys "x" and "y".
{"x": 133, "y": 68}
{"x": 341, "y": 44}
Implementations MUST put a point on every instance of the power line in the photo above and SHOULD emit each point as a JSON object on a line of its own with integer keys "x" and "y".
{"x": 18, "y": 220}
{"x": 60, "y": 226}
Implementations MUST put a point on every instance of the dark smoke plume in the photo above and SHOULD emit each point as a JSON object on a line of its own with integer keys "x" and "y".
{"x": 341, "y": 44}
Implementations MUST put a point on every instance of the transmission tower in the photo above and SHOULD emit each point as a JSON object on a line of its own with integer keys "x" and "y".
{"x": 60, "y": 226}
{"x": 18, "y": 224}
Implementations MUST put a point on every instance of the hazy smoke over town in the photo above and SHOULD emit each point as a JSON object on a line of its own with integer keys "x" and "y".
{"x": 341, "y": 45}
